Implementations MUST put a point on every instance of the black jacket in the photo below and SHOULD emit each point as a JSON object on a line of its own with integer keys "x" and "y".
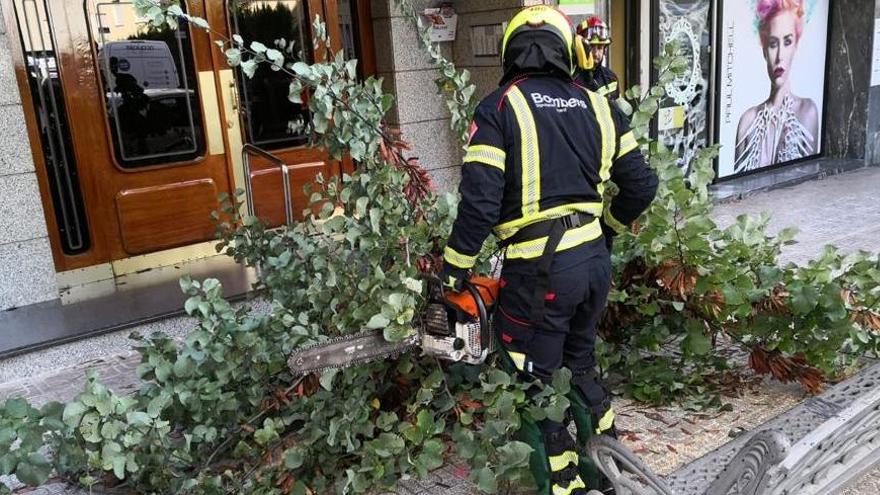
{"x": 543, "y": 147}
{"x": 601, "y": 80}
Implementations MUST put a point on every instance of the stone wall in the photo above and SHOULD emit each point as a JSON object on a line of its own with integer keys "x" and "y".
{"x": 420, "y": 112}
{"x": 485, "y": 71}
{"x": 27, "y": 271}
{"x": 872, "y": 144}
{"x": 849, "y": 74}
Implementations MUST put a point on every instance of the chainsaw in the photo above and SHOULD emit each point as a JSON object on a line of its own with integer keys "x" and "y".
{"x": 455, "y": 326}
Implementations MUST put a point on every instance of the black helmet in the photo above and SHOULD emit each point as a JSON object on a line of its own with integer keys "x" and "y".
{"x": 538, "y": 39}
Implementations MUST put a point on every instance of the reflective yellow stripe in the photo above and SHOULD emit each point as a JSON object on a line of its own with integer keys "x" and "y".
{"x": 519, "y": 360}
{"x": 574, "y": 485}
{"x": 530, "y": 151}
{"x": 508, "y": 229}
{"x": 628, "y": 143}
{"x": 572, "y": 238}
{"x": 607, "y": 89}
{"x": 612, "y": 222}
{"x": 606, "y": 422}
{"x": 457, "y": 259}
{"x": 489, "y": 155}
{"x": 561, "y": 461}
{"x": 609, "y": 137}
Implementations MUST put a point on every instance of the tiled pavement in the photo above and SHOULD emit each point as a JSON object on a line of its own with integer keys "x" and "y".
{"x": 839, "y": 210}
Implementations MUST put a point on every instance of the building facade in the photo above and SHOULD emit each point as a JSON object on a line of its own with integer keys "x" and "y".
{"x": 117, "y": 138}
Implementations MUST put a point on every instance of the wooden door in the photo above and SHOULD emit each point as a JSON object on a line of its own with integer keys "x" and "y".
{"x": 137, "y": 130}
{"x": 260, "y": 103}
{"x": 137, "y": 115}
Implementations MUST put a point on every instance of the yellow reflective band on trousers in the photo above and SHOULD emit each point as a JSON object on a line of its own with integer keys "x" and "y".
{"x": 628, "y": 143}
{"x": 561, "y": 461}
{"x": 489, "y": 155}
{"x": 606, "y": 422}
{"x": 602, "y": 108}
{"x": 574, "y": 485}
{"x": 519, "y": 360}
{"x": 508, "y": 229}
{"x": 612, "y": 222}
{"x": 572, "y": 238}
{"x": 457, "y": 259}
{"x": 530, "y": 151}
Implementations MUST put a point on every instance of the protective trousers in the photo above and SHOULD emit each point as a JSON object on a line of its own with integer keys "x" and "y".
{"x": 579, "y": 282}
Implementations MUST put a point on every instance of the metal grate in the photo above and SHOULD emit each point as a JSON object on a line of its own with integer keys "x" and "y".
{"x": 44, "y": 77}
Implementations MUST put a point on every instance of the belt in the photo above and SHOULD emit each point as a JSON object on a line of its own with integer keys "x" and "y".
{"x": 543, "y": 228}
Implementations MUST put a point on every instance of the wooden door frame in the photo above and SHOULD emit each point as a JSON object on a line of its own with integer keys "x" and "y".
{"x": 365, "y": 33}
{"x": 62, "y": 261}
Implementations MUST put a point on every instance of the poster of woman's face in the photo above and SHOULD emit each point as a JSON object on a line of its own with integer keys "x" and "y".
{"x": 772, "y": 82}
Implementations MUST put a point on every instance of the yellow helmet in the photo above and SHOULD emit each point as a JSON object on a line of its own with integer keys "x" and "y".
{"x": 542, "y": 38}
{"x": 538, "y": 38}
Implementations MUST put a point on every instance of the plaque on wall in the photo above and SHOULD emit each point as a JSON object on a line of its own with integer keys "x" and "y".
{"x": 486, "y": 40}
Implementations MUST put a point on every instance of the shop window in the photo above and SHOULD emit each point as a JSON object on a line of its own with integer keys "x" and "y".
{"x": 266, "y": 110}
{"x": 37, "y": 39}
{"x": 149, "y": 85}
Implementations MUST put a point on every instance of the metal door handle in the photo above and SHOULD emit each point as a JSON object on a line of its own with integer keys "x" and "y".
{"x": 233, "y": 95}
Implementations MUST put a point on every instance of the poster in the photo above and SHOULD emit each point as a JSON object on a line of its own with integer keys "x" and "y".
{"x": 771, "y": 82}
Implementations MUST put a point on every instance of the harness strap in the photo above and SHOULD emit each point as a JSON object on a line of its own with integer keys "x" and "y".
{"x": 542, "y": 275}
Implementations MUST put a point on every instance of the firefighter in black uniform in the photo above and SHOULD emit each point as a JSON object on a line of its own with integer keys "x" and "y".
{"x": 541, "y": 150}
{"x": 595, "y": 33}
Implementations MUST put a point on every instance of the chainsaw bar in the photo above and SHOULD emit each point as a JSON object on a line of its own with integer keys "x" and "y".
{"x": 346, "y": 351}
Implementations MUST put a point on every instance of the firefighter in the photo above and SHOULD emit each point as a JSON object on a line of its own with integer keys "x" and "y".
{"x": 601, "y": 79}
{"x": 541, "y": 150}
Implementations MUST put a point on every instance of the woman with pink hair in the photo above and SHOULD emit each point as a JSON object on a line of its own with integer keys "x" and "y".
{"x": 785, "y": 126}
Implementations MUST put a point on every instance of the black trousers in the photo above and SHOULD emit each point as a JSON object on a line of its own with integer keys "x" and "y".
{"x": 579, "y": 284}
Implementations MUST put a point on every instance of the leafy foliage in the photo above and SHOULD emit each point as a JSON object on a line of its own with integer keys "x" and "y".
{"x": 220, "y": 413}
{"x": 687, "y": 290}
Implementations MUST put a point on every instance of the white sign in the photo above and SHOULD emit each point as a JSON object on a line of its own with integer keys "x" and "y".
{"x": 443, "y": 22}
{"x": 875, "y": 65}
{"x": 578, "y": 7}
{"x": 772, "y": 83}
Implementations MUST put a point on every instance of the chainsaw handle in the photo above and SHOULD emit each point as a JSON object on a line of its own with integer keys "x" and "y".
{"x": 484, "y": 314}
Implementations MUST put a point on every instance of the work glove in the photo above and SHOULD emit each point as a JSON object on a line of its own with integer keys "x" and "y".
{"x": 453, "y": 277}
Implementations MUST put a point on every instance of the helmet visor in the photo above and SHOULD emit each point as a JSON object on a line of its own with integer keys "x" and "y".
{"x": 598, "y": 34}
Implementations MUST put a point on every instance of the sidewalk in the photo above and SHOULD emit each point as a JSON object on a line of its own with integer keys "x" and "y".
{"x": 838, "y": 210}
